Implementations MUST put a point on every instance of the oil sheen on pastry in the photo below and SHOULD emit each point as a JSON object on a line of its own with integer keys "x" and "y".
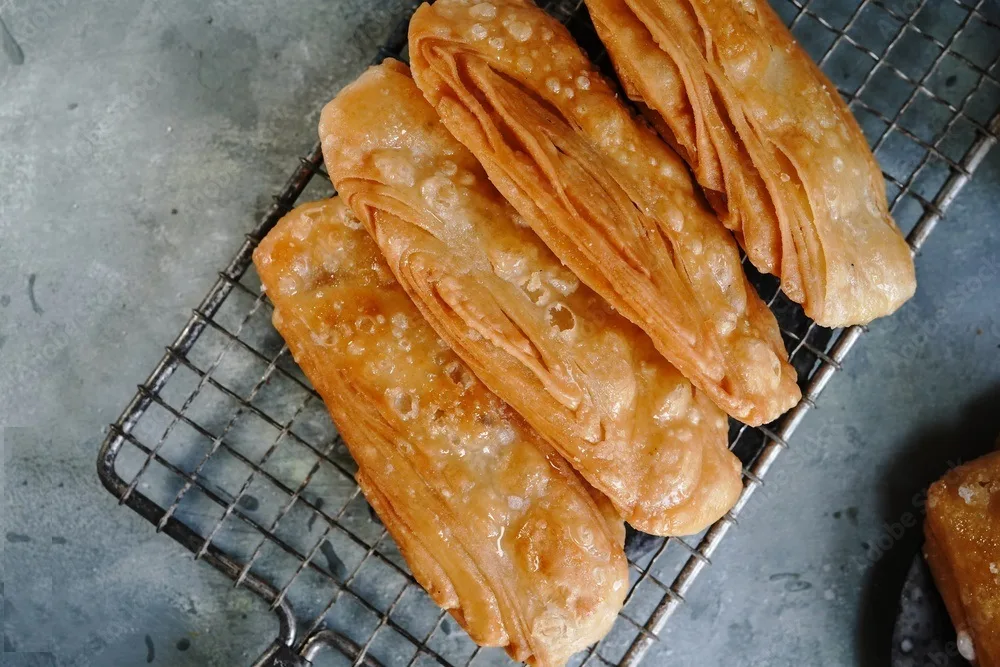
{"x": 579, "y": 373}
{"x": 610, "y": 199}
{"x": 963, "y": 552}
{"x": 780, "y": 156}
{"x": 493, "y": 522}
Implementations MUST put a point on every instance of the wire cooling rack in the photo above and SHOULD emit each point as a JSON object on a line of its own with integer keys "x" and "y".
{"x": 226, "y": 447}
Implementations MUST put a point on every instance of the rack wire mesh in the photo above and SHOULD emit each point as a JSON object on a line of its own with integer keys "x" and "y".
{"x": 227, "y": 448}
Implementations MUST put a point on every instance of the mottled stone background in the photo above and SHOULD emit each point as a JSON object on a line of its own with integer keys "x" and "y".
{"x": 140, "y": 140}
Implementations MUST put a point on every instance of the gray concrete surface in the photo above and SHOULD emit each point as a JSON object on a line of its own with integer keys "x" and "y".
{"x": 140, "y": 140}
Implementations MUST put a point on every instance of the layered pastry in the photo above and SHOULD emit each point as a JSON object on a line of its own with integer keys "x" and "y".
{"x": 963, "y": 551}
{"x": 493, "y": 522}
{"x": 614, "y": 203}
{"x": 582, "y": 375}
{"x": 780, "y": 156}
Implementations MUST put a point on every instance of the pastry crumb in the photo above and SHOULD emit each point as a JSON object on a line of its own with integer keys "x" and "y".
{"x": 966, "y": 494}
{"x": 965, "y": 646}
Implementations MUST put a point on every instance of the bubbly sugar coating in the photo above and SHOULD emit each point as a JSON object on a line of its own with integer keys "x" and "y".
{"x": 582, "y": 375}
{"x": 492, "y": 521}
{"x": 962, "y": 547}
{"x": 610, "y": 199}
{"x": 780, "y": 156}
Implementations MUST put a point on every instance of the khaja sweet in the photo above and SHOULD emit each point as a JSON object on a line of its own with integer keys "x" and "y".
{"x": 604, "y": 193}
{"x": 583, "y": 376}
{"x": 780, "y": 156}
{"x": 963, "y": 552}
{"x": 493, "y": 522}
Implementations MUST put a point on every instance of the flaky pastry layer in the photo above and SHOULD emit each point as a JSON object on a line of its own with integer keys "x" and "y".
{"x": 582, "y": 375}
{"x": 610, "y": 199}
{"x": 779, "y": 154}
{"x": 493, "y": 522}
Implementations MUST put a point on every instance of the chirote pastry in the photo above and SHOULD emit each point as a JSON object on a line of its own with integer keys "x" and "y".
{"x": 583, "y": 376}
{"x": 780, "y": 156}
{"x": 493, "y": 522}
{"x": 963, "y": 551}
{"x": 610, "y": 199}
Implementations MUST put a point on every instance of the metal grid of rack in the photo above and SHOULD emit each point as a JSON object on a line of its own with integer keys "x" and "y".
{"x": 226, "y": 447}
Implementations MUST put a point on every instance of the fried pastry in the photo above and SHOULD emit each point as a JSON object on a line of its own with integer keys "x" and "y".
{"x": 582, "y": 375}
{"x": 493, "y": 522}
{"x": 963, "y": 552}
{"x": 780, "y": 156}
{"x": 610, "y": 199}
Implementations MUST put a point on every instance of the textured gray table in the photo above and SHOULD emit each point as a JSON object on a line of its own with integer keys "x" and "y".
{"x": 140, "y": 140}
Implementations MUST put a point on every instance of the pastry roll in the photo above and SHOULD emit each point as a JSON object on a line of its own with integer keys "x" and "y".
{"x": 583, "y": 376}
{"x": 610, "y": 199}
{"x": 780, "y": 156}
{"x": 963, "y": 552}
{"x": 493, "y": 523}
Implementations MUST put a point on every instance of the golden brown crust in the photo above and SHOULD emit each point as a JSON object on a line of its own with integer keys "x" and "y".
{"x": 582, "y": 375}
{"x": 782, "y": 159}
{"x": 614, "y": 203}
{"x": 493, "y": 522}
{"x": 963, "y": 552}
